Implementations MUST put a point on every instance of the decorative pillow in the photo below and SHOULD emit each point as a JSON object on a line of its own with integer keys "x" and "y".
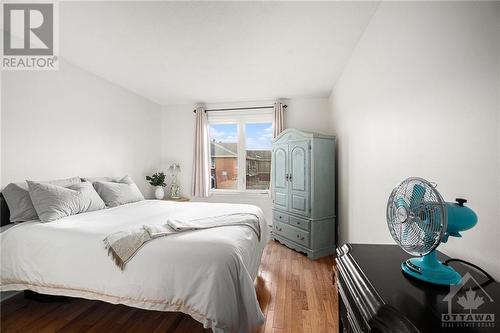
{"x": 53, "y": 202}
{"x": 101, "y": 179}
{"x": 118, "y": 193}
{"x": 19, "y": 202}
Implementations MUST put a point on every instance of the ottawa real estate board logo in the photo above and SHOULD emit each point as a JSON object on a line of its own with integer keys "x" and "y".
{"x": 466, "y": 306}
{"x": 30, "y": 36}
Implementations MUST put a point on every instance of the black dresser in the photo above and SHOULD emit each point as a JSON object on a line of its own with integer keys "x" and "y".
{"x": 376, "y": 296}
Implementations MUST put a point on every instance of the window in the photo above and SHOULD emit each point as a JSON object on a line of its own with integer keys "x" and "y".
{"x": 258, "y": 155}
{"x": 224, "y": 156}
{"x": 240, "y": 151}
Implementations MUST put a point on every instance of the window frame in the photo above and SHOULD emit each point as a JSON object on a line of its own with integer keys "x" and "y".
{"x": 240, "y": 118}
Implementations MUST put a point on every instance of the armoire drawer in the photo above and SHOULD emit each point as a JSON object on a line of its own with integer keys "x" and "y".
{"x": 299, "y": 223}
{"x": 291, "y": 233}
{"x": 280, "y": 217}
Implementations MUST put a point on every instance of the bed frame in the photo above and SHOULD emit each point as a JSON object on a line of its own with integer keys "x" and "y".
{"x": 4, "y": 211}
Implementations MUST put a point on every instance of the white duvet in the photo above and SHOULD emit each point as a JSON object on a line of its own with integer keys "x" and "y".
{"x": 207, "y": 274}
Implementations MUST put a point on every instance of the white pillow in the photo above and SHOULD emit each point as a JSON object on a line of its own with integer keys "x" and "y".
{"x": 53, "y": 202}
{"x": 118, "y": 193}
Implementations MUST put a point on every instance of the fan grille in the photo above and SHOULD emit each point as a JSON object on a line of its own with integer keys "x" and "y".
{"x": 416, "y": 216}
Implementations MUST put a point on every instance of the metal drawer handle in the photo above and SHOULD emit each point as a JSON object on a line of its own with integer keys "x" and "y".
{"x": 279, "y": 229}
{"x": 300, "y": 238}
{"x": 298, "y": 223}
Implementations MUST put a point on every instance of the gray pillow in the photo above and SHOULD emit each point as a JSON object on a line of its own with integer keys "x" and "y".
{"x": 53, "y": 202}
{"x": 118, "y": 193}
{"x": 19, "y": 202}
{"x": 102, "y": 179}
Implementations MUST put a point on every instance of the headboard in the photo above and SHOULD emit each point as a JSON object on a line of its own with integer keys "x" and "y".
{"x": 4, "y": 211}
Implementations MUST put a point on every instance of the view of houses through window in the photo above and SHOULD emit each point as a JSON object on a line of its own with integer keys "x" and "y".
{"x": 225, "y": 139}
{"x": 258, "y": 138}
{"x": 224, "y": 156}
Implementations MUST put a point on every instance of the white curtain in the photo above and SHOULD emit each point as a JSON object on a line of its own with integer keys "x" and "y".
{"x": 278, "y": 119}
{"x": 278, "y": 127}
{"x": 201, "y": 176}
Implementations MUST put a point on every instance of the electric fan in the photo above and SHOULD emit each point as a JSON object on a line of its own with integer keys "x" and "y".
{"x": 419, "y": 220}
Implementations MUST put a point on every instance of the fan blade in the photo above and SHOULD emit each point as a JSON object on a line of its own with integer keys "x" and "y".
{"x": 417, "y": 196}
{"x": 405, "y": 228}
{"x": 427, "y": 216}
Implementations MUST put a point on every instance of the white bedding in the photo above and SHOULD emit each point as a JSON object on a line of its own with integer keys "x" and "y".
{"x": 207, "y": 274}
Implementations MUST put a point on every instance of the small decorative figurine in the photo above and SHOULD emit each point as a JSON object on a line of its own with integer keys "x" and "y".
{"x": 175, "y": 190}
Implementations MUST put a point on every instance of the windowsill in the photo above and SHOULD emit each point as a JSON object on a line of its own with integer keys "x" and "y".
{"x": 248, "y": 193}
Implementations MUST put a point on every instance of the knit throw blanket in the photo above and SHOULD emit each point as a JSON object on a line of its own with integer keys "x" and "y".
{"x": 123, "y": 245}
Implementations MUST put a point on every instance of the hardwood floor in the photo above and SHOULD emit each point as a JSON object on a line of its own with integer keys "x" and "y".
{"x": 295, "y": 294}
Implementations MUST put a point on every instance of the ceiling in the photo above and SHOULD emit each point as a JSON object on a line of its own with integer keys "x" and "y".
{"x": 189, "y": 52}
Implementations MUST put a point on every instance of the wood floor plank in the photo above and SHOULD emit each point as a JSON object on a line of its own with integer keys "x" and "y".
{"x": 116, "y": 319}
{"x": 289, "y": 297}
{"x": 13, "y": 304}
{"x": 87, "y": 319}
{"x": 65, "y": 313}
{"x": 168, "y": 323}
{"x": 268, "y": 325}
{"x": 32, "y": 312}
{"x": 263, "y": 294}
{"x": 295, "y": 294}
{"x": 279, "y": 310}
{"x": 296, "y": 309}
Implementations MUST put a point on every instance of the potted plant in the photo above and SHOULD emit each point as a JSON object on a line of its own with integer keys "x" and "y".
{"x": 158, "y": 181}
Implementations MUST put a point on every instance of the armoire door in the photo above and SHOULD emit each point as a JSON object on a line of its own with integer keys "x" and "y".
{"x": 299, "y": 157}
{"x": 280, "y": 176}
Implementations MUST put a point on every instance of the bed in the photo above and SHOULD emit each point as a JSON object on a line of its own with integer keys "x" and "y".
{"x": 207, "y": 274}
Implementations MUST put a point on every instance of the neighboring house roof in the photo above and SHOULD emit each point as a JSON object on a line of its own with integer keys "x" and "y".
{"x": 261, "y": 155}
{"x": 223, "y": 149}
{"x": 230, "y": 149}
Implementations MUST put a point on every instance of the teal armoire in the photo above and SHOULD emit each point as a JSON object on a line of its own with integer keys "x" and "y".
{"x": 303, "y": 185}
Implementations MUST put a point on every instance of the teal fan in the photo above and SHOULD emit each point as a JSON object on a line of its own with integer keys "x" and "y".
{"x": 419, "y": 220}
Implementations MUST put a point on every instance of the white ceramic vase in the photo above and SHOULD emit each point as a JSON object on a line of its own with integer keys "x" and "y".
{"x": 159, "y": 193}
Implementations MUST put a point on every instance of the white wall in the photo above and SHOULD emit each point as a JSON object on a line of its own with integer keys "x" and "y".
{"x": 178, "y": 140}
{"x": 420, "y": 97}
{"x": 69, "y": 122}
{"x": 309, "y": 115}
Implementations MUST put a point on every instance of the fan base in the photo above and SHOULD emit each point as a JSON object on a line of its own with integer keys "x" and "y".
{"x": 429, "y": 269}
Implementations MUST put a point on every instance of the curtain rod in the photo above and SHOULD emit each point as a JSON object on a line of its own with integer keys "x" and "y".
{"x": 246, "y": 108}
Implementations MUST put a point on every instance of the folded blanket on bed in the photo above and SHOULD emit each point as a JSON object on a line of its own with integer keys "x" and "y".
{"x": 123, "y": 245}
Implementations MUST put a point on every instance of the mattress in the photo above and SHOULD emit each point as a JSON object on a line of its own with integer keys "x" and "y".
{"x": 207, "y": 274}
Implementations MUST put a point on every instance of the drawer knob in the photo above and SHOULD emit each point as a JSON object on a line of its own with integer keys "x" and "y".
{"x": 298, "y": 223}
{"x": 300, "y": 238}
